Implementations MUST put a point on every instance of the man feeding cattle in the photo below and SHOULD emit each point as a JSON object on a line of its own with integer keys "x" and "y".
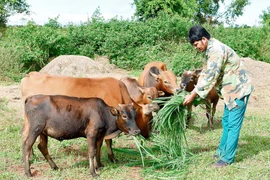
{"x": 225, "y": 72}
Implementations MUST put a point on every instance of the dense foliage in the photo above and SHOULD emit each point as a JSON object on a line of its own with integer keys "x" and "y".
{"x": 10, "y": 7}
{"x": 265, "y": 16}
{"x": 200, "y": 11}
{"x": 129, "y": 44}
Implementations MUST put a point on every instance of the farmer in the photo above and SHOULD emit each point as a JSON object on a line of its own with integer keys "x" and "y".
{"x": 226, "y": 73}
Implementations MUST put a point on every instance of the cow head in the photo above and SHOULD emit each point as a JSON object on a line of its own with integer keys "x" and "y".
{"x": 147, "y": 109}
{"x": 166, "y": 82}
{"x": 189, "y": 79}
{"x": 149, "y": 94}
{"x": 126, "y": 118}
{"x": 145, "y": 120}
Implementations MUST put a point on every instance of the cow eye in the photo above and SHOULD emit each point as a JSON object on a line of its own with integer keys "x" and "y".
{"x": 165, "y": 82}
{"x": 124, "y": 116}
{"x": 149, "y": 97}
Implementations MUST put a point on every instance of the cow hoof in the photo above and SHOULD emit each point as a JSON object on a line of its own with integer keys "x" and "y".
{"x": 114, "y": 160}
{"x": 28, "y": 175}
{"x": 99, "y": 167}
{"x": 95, "y": 175}
{"x": 55, "y": 168}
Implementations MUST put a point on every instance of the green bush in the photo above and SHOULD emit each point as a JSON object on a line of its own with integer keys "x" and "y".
{"x": 129, "y": 44}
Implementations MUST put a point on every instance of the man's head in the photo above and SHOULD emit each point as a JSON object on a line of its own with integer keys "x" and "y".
{"x": 198, "y": 37}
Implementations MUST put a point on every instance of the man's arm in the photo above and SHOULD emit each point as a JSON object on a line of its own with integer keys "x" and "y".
{"x": 189, "y": 98}
{"x": 210, "y": 75}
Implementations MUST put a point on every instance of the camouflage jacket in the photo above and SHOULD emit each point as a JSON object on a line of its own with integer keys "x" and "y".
{"x": 225, "y": 72}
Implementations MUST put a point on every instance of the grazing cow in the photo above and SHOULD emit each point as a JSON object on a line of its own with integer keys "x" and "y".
{"x": 163, "y": 80}
{"x": 111, "y": 90}
{"x": 64, "y": 117}
{"x": 188, "y": 81}
{"x": 160, "y": 65}
{"x": 140, "y": 94}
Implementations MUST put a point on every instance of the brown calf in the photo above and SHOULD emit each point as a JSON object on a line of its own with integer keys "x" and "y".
{"x": 188, "y": 81}
{"x": 64, "y": 117}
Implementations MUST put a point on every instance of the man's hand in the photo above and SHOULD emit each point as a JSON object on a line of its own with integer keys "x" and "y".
{"x": 189, "y": 98}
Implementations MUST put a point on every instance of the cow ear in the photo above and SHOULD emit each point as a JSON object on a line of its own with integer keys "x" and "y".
{"x": 114, "y": 111}
{"x": 161, "y": 93}
{"x": 198, "y": 72}
{"x": 153, "y": 74}
{"x": 141, "y": 90}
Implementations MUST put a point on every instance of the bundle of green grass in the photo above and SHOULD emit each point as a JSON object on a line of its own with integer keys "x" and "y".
{"x": 168, "y": 144}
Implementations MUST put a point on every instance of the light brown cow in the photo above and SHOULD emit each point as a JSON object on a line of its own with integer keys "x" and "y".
{"x": 188, "y": 81}
{"x": 111, "y": 90}
{"x": 64, "y": 117}
{"x": 163, "y": 80}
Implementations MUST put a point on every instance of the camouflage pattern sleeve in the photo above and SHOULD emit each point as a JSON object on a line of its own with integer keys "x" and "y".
{"x": 210, "y": 75}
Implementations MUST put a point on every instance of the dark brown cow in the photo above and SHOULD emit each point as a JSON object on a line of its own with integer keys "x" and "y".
{"x": 63, "y": 117}
{"x": 163, "y": 80}
{"x": 188, "y": 81}
{"x": 140, "y": 94}
{"x": 160, "y": 65}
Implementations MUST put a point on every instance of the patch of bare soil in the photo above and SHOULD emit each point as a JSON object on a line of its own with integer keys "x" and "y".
{"x": 259, "y": 72}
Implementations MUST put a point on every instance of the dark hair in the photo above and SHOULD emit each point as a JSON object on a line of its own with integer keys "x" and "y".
{"x": 196, "y": 33}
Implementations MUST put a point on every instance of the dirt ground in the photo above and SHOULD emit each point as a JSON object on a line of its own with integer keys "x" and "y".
{"x": 81, "y": 66}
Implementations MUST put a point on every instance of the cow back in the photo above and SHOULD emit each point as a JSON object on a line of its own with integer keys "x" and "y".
{"x": 111, "y": 90}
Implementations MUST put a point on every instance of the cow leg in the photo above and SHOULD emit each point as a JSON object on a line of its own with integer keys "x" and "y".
{"x": 209, "y": 115}
{"x": 110, "y": 151}
{"x": 27, "y": 144}
{"x": 98, "y": 162}
{"x": 213, "y": 112}
{"x": 43, "y": 147}
{"x": 189, "y": 115}
{"x": 92, "y": 154}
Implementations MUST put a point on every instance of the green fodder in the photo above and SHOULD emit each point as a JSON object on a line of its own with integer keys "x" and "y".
{"x": 169, "y": 127}
{"x": 168, "y": 142}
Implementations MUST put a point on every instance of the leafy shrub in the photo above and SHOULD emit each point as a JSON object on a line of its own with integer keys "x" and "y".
{"x": 186, "y": 58}
{"x": 129, "y": 44}
{"x": 10, "y": 67}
